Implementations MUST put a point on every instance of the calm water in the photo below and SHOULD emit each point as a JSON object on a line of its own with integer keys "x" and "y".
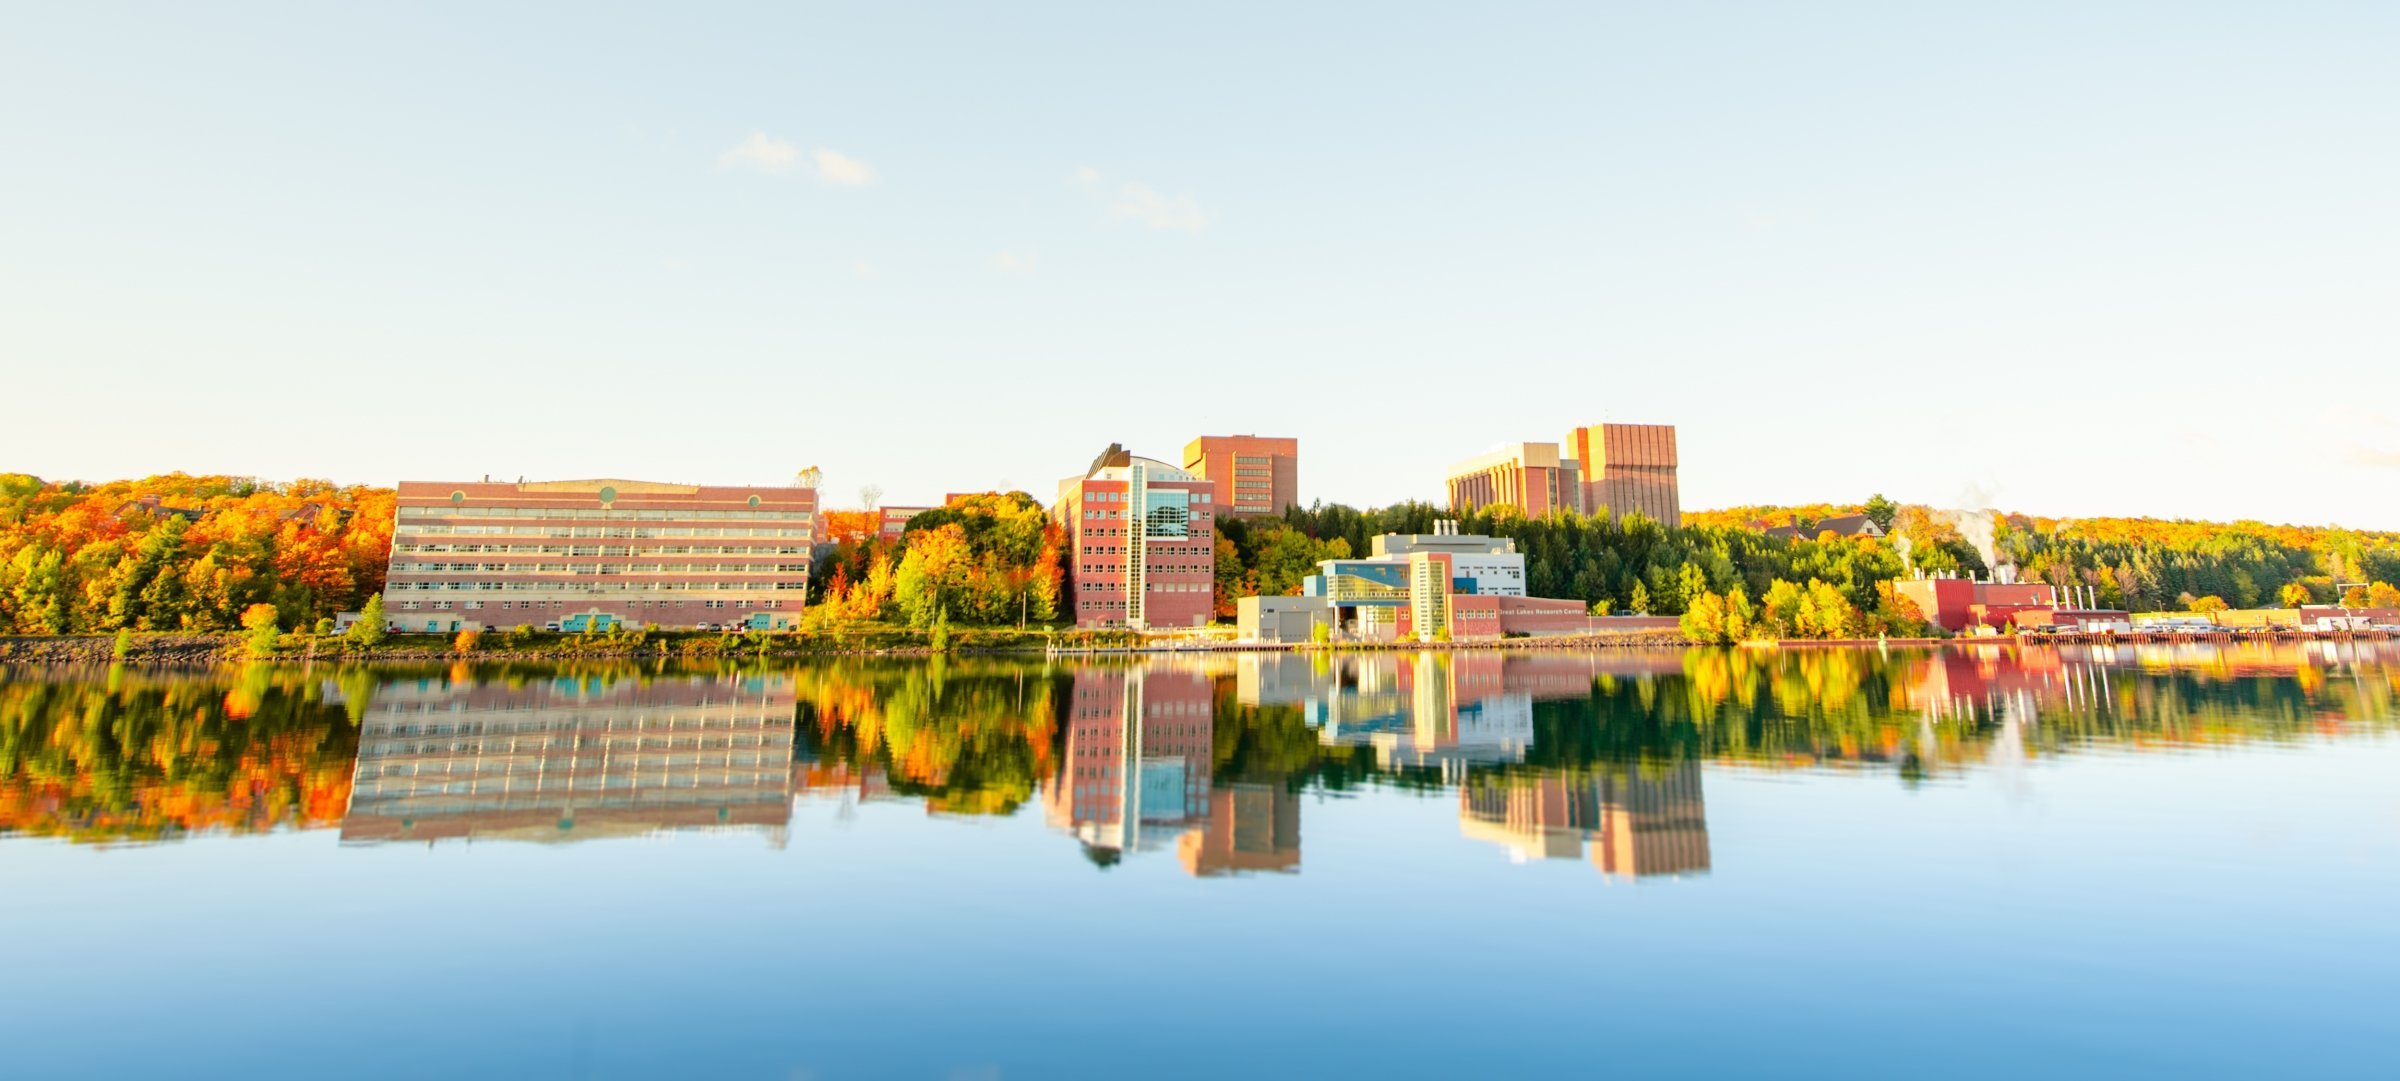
{"x": 2170, "y": 862}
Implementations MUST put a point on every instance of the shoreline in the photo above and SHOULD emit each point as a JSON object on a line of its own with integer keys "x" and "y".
{"x": 178, "y": 650}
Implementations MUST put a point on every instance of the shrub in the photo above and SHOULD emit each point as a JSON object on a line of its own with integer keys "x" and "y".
{"x": 258, "y": 621}
{"x": 367, "y": 633}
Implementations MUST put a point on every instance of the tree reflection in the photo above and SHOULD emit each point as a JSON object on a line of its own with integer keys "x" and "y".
{"x": 1209, "y": 756}
{"x": 128, "y": 755}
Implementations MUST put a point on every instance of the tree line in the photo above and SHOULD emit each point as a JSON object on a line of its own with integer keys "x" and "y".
{"x": 199, "y": 553}
{"x": 1631, "y": 564}
{"x": 2142, "y": 564}
{"x": 1634, "y": 564}
{"x": 185, "y": 553}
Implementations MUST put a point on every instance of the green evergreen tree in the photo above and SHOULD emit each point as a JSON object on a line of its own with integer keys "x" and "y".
{"x": 368, "y": 632}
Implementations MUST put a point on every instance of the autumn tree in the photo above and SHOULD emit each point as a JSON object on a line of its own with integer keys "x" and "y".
{"x": 1704, "y": 620}
{"x": 182, "y": 552}
{"x": 260, "y": 632}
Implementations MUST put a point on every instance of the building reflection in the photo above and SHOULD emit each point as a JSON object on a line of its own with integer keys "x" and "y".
{"x": 1139, "y": 754}
{"x": 1251, "y": 828}
{"x": 1634, "y": 824}
{"x": 570, "y": 758}
{"x": 1135, "y": 771}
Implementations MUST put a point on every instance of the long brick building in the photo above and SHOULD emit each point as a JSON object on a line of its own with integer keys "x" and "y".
{"x": 566, "y": 555}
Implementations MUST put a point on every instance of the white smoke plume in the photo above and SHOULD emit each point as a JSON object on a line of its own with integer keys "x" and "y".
{"x": 1976, "y": 527}
{"x": 1975, "y": 523}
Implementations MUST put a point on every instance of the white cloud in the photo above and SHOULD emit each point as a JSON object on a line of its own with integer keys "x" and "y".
{"x": 1143, "y": 204}
{"x": 834, "y": 167}
{"x": 765, "y": 153}
{"x": 762, "y": 152}
{"x": 1139, "y": 203}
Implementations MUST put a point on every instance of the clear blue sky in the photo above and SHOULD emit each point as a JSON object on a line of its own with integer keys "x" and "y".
{"x": 2067, "y": 258}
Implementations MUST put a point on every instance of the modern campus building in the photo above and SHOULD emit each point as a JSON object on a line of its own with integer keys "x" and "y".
{"x": 572, "y": 759}
{"x": 1145, "y": 543}
{"x": 1628, "y": 469}
{"x": 1617, "y": 468}
{"x": 1532, "y": 477}
{"x": 1255, "y": 476}
{"x": 567, "y": 555}
{"x": 1420, "y": 586}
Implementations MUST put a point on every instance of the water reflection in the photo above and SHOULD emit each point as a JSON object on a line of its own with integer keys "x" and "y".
{"x": 122, "y": 754}
{"x": 1594, "y": 757}
{"x": 572, "y": 757}
{"x": 1140, "y": 744}
{"x": 1635, "y": 823}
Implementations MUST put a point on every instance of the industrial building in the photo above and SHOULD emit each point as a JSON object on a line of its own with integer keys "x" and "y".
{"x": 1958, "y": 604}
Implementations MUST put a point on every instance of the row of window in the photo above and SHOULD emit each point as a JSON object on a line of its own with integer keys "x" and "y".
{"x": 610, "y": 549}
{"x": 1151, "y": 556}
{"x": 533, "y": 773}
{"x": 1200, "y": 496}
{"x": 572, "y": 731}
{"x": 594, "y": 532}
{"x": 469, "y": 606}
{"x": 603, "y": 568}
{"x": 556, "y": 513}
{"x": 509, "y": 745}
{"x": 595, "y": 587}
{"x": 1112, "y": 587}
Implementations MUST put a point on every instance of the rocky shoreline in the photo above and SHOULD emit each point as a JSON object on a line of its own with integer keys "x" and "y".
{"x": 78, "y": 649}
{"x": 205, "y": 650}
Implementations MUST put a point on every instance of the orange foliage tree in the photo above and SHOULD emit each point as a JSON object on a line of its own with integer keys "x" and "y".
{"x": 179, "y": 552}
